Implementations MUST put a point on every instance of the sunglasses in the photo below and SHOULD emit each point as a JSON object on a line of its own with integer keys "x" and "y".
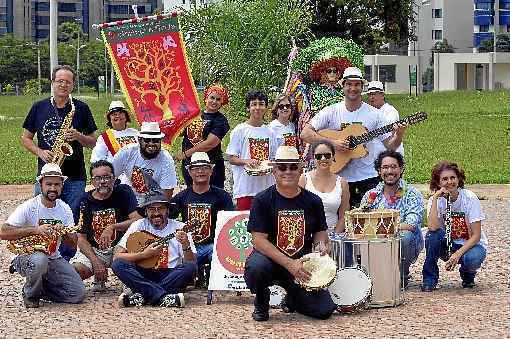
{"x": 331, "y": 71}
{"x": 153, "y": 140}
{"x": 320, "y": 156}
{"x": 284, "y": 106}
{"x": 285, "y": 167}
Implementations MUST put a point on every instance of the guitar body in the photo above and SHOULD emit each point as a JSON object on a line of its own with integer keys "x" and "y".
{"x": 137, "y": 242}
{"x": 343, "y": 158}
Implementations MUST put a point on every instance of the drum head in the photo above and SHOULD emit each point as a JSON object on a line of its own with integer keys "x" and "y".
{"x": 277, "y": 295}
{"x": 351, "y": 286}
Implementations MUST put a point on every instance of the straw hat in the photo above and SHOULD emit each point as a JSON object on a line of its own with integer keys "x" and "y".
{"x": 286, "y": 155}
{"x": 375, "y": 86}
{"x": 199, "y": 159}
{"x": 150, "y": 130}
{"x": 51, "y": 170}
{"x": 353, "y": 73}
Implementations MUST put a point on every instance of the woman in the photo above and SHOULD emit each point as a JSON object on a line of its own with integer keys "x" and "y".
{"x": 117, "y": 136}
{"x": 204, "y": 134}
{"x": 332, "y": 189}
{"x": 283, "y": 125}
{"x": 452, "y": 204}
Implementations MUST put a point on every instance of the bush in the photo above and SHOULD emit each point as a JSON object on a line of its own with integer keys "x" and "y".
{"x": 32, "y": 86}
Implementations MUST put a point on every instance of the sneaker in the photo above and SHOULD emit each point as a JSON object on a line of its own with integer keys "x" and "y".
{"x": 260, "y": 314}
{"x": 172, "y": 300}
{"x": 130, "y": 300}
{"x": 468, "y": 284}
{"x": 98, "y": 286}
{"x": 30, "y": 302}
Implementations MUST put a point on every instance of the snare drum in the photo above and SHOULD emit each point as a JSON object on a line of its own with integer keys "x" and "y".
{"x": 351, "y": 290}
{"x": 381, "y": 259}
{"x": 262, "y": 169}
{"x": 372, "y": 224}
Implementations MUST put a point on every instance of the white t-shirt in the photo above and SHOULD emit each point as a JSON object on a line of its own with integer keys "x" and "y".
{"x": 284, "y": 134}
{"x": 172, "y": 255}
{"x": 392, "y": 115}
{"x": 331, "y": 200}
{"x": 129, "y": 160}
{"x": 336, "y": 116}
{"x": 125, "y": 137}
{"x": 33, "y": 213}
{"x": 249, "y": 142}
{"x": 466, "y": 209}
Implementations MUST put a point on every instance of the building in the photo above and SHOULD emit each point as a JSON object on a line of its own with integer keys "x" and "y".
{"x": 185, "y": 4}
{"x": 490, "y": 16}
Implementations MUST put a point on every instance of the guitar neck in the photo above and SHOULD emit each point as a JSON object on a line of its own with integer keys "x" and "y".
{"x": 366, "y": 137}
{"x": 164, "y": 240}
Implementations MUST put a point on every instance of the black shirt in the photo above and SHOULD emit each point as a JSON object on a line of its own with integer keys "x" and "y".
{"x": 98, "y": 214}
{"x": 199, "y": 211}
{"x": 199, "y": 130}
{"x": 45, "y": 120}
{"x": 289, "y": 223}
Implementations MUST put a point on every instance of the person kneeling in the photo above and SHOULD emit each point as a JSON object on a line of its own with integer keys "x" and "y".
{"x": 162, "y": 281}
{"x": 284, "y": 222}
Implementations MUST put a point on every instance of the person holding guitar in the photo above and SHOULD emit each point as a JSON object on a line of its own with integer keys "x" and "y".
{"x": 157, "y": 271}
{"x": 359, "y": 173}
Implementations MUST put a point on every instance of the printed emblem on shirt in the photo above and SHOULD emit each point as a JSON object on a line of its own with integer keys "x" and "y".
{"x": 123, "y": 141}
{"x": 289, "y": 139}
{"x": 49, "y": 242}
{"x": 138, "y": 180}
{"x": 195, "y": 130}
{"x": 101, "y": 220}
{"x": 51, "y": 128}
{"x": 259, "y": 148}
{"x": 199, "y": 222}
{"x": 291, "y": 231}
{"x": 163, "y": 259}
{"x": 459, "y": 226}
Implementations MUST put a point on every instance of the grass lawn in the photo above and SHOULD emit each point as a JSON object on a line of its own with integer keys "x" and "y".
{"x": 471, "y": 128}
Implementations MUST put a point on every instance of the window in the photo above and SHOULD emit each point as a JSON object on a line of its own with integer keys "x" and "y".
{"x": 42, "y": 6}
{"x": 368, "y": 73}
{"x": 483, "y": 28}
{"x": 118, "y": 9}
{"x": 437, "y": 34}
{"x": 483, "y": 5}
{"x": 42, "y": 20}
{"x": 387, "y": 73}
{"x": 437, "y": 13}
{"x": 67, "y": 7}
{"x": 42, "y": 34}
{"x": 508, "y": 28}
{"x": 504, "y": 5}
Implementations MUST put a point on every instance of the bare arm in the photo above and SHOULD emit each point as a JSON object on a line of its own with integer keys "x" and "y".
{"x": 476, "y": 231}
{"x": 396, "y": 138}
{"x": 86, "y": 140}
{"x": 309, "y": 135}
{"x": 106, "y": 236}
{"x": 433, "y": 222}
{"x": 8, "y": 232}
{"x": 236, "y": 161}
{"x": 27, "y": 140}
{"x": 344, "y": 206}
{"x": 86, "y": 248}
{"x": 204, "y": 146}
{"x": 149, "y": 252}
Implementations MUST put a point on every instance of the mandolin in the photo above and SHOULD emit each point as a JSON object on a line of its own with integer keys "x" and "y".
{"x": 139, "y": 241}
{"x": 357, "y": 135}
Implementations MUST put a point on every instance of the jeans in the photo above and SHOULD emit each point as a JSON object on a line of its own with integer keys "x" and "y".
{"x": 357, "y": 189}
{"x": 154, "y": 284}
{"x": 261, "y": 272}
{"x": 435, "y": 247}
{"x": 217, "y": 177}
{"x": 410, "y": 251}
{"x": 204, "y": 254}
{"x": 51, "y": 279}
{"x": 72, "y": 192}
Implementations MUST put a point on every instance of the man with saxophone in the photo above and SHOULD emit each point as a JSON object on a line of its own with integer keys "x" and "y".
{"x": 34, "y": 230}
{"x": 47, "y": 120}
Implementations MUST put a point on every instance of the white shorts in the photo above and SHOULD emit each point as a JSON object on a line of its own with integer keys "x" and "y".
{"x": 106, "y": 256}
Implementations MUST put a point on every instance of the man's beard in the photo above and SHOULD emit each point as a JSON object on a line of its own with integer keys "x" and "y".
{"x": 46, "y": 195}
{"x": 147, "y": 155}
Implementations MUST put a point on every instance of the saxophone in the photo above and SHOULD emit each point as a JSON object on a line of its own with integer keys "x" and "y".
{"x": 62, "y": 149}
{"x": 448, "y": 226}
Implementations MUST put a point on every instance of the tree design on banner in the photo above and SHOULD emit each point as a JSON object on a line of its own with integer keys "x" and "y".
{"x": 240, "y": 238}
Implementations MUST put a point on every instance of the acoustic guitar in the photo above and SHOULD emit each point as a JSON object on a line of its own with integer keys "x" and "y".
{"x": 357, "y": 135}
{"x": 139, "y": 241}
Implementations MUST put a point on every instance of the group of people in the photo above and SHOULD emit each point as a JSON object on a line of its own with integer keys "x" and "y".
{"x": 294, "y": 199}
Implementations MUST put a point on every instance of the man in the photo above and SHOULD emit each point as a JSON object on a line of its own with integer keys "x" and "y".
{"x": 176, "y": 265}
{"x": 359, "y": 173}
{"x": 205, "y": 135}
{"x": 144, "y": 159}
{"x": 285, "y": 220}
{"x": 394, "y": 193}
{"x": 375, "y": 92}
{"x": 45, "y": 119}
{"x": 117, "y": 136}
{"x": 107, "y": 211}
{"x": 199, "y": 205}
{"x": 252, "y": 144}
{"x": 48, "y": 275}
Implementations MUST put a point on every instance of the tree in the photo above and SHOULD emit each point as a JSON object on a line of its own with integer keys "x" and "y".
{"x": 240, "y": 238}
{"x": 370, "y": 23}
{"x": 244, "y": 44}
{"x": 441, "y": 47}
{"x": 18, "y": 60}
{"x": 502, "y": 44}
{"x": 68, "y": 32}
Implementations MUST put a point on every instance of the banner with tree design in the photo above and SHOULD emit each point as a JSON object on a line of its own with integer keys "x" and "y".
{"x": 149, "y": 58}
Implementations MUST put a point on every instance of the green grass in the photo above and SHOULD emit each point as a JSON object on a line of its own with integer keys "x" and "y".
{"x": 471, "y": 128}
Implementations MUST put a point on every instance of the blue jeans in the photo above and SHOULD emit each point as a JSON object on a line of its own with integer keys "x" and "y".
{"x": 204, "y": 254}
{"x": 72, "y": 192}
{"x": 154, "y": 284}
{"x": 51, "y": 279}
{"x": 435, "y": 247}
{"x": 409, "y": 250}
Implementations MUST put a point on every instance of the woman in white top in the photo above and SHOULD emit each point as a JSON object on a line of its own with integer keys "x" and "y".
{"x": 283, "y": 125}
{"x": 331, "y": 188}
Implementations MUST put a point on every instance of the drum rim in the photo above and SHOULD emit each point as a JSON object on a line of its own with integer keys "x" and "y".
{"x": 367, "y": 293}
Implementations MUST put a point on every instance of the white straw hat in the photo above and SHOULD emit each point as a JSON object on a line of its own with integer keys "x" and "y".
{"x": 286, "y": 155}
{"x": 353, "y": 73}
{"x": 51, "y": 170}
{"x": 200, "y": 159}
{"x": 150, "y": 130}
{"x": 375, "y": 86}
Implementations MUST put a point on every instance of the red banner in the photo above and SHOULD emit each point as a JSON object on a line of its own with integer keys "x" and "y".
{"x": 150, "y": 61}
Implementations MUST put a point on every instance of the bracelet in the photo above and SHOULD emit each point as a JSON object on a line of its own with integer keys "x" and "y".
{"x": 186, "y": 249}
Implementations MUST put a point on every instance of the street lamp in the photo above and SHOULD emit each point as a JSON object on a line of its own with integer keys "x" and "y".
{"x": 78, "y": 20}
{"x": 105, "y": 67}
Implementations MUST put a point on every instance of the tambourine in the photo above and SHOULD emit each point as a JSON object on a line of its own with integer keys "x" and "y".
{"x": 322, "y": 269}
{"x": 262, "y": 169}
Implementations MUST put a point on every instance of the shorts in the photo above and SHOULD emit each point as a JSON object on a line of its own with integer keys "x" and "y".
{"x": 106, "y": 256}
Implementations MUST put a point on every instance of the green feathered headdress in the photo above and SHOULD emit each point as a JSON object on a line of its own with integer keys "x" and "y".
{"x": 324, "y": 53}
